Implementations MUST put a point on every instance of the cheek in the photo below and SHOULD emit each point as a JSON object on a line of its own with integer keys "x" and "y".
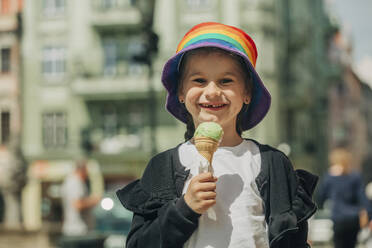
{"x": 192, "y": 95}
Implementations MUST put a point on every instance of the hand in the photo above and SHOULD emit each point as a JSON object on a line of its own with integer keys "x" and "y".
{"x": 370, "y": 225}
{"x": 363, "y": 218}
{"x": 87, "y": 202}
{"x": 201, "y": 194}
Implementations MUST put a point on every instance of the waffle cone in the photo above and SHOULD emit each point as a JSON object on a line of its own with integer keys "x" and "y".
{"x": 206, "y": 147}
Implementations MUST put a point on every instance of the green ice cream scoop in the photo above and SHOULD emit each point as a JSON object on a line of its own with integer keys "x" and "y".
{"x": 209, "y": 129}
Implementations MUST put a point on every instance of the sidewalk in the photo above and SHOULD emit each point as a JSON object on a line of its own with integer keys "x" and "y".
{"x": 23, "y": 239}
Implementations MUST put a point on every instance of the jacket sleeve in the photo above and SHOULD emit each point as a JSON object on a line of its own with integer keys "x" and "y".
{"x": 171, "y": 227}
{"x": 300, "y": 185}
{"x": 161, "y": 218}
{"x": 362, "y": 197}
{"x": 323, "y": 191}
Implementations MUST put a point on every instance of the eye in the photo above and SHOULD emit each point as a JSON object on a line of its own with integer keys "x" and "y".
{"x": 200, "y": 80}
{"x": 226, "y": 81}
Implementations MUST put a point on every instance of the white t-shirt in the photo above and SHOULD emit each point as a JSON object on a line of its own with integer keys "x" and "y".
{"x": 240, "y": 220}
{"x": 73, "y": 188}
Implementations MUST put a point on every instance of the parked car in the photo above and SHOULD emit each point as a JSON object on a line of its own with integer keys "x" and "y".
{"x": 112, "y": 224}
{"x": 321, "y": 228}
{"x": 112, "y": 220}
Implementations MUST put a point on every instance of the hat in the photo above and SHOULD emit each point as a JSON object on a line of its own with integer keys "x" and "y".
{"x": 228, "y": 38}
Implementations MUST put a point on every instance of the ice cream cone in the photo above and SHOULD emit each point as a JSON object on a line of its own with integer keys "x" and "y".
{"x": 206, "y": 147}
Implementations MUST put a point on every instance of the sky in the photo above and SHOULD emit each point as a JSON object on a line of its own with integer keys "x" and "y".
{"x": 355, "y": 17}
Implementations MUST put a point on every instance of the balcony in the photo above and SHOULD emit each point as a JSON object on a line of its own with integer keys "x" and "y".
{"x": 123, "y": 144}
{"x": 8, "y": 22}
{"x": 112, "y": 85}
{"x": 8, "y": 85}
{"x": 115, "y": 14}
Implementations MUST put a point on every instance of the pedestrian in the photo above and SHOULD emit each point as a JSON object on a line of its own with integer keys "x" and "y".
{"x": 76, "y": 201}
{"x": 12, "y": 181}
{"x": 257, "y": 197}
{"x": 344, "y": 188}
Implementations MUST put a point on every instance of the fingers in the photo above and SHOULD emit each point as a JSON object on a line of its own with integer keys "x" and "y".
{"x": 206, "y": 204}
{"x": 201, "y": 193}
{"x": 207, "y": 186}
{"x": 209, "y": 195}
{"x": 203, "y": 182}
{"x": 196, "y": 185}
{"x": 205, "y": 177}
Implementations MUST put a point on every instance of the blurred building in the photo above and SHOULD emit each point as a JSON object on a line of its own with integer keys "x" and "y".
{"x": 11, "y": 168}
{"x": 350, "y": 101}
{"x": 84, "y": 95}
{"x": 305, "y": 75}
{"x": 10, "y": 77}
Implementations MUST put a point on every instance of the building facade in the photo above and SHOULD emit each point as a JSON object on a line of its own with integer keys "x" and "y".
{"x": 305, "y": 74}
{"x": 10, "y": 31}
{"x": 11, "y": 165}
{"x": 84, "y": 95}
{"x": 349, "y": 106}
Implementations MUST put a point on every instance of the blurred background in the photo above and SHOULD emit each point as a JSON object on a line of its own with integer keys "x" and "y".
{"x": 81, "y": 79}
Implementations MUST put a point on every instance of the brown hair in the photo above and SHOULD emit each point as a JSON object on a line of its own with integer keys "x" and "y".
{"x": 190, "y": 127}
{"x": 340, "y": 156}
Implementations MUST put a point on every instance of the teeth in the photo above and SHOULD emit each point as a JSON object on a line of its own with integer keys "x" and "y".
{"x": 212, "y": 105}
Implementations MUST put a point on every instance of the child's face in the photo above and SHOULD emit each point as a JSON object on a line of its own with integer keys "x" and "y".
{"x": 213, "y": 88}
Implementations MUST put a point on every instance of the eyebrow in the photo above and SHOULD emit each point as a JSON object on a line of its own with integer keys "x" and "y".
{"x": 229, "y": 73}
{"x": 197, "y": 73}
{"x": 192, "y": 74}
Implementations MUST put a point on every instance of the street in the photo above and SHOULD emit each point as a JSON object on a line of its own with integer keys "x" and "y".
{"x": 23, "y": 239}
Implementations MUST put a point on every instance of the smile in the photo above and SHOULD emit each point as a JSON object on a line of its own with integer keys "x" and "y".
{"x": 212, "y": 106}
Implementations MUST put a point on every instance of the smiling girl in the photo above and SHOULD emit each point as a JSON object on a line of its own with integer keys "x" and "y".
{"x": 259, "y": 200}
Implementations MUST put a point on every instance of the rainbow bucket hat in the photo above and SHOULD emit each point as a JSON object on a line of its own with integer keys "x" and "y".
{"x": 228, "y": 38}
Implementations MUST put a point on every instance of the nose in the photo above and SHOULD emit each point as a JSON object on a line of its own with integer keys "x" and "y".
{"x": 212, "y": 90}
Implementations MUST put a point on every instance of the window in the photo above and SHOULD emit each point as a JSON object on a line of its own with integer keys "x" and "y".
{"x": 198, "y": 4}
{"x": 54, "y": 60}
{"x": 109, "y": 4}
{"x": 54, "y": 7}
{"x": 138, "y": 56}
{"x": 250, "y": 4}
{"x": 5, "y": 60}
{"x": 110, "y": 121}
{"x": 5, "y": 127}
{"x": 54, "y": 130}
{"x": 110, "y": 47}
{"x": 113, "y": 4}
{"x": 123, "y": 55}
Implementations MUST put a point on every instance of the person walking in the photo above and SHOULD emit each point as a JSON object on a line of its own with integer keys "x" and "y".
{"x": 344, "y": 188}
{"x": 76, "y": 200}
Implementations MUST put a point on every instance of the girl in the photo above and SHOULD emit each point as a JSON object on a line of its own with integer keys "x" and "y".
{"x": 258, "y": 199}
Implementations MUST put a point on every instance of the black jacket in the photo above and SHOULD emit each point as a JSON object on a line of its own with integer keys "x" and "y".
{"x": 163, "y": 219}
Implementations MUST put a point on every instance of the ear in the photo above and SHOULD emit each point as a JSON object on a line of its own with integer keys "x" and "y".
{"x": 181, "y": 96}
{"x": 247, "y": 99}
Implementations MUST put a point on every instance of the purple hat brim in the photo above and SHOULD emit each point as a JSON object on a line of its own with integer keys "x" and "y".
{"x": 260, "y": 102}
